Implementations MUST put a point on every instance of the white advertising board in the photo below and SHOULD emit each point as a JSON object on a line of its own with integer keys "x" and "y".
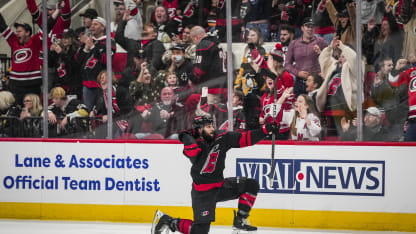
{"x": 307, "y": 177}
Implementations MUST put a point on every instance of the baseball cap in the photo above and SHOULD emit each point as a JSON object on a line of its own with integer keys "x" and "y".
{"x": 308, "y": 21}
{"x": 100, "y": 20}
{"x": 68, "y": 33}
{"x": 178, "y": 47}
{"x": 25, "y": 26}
{"x": 51, "y": 7}
{"x": 118, "y": 2}
{"x": 374, "y": 111}
{"x": 90, "y": 13}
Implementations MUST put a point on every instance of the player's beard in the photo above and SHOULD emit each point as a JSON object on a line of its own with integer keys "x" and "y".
{"x": 208, "y": 138}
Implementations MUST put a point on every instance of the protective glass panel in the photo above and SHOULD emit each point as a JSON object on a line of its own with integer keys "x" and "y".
{"x": 164, "y": 71}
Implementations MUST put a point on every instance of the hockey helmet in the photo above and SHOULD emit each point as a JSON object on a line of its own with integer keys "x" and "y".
{"x": 201, "y": 121}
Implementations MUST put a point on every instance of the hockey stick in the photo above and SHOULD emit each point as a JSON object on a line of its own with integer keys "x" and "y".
{"x": 274, "y": 114}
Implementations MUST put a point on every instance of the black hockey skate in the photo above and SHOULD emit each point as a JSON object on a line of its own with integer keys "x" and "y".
{"x": 241, "y": 225}
{"x": 162, "y": 222}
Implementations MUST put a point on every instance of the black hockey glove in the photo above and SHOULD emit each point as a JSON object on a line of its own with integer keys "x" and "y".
{"x": 251, "y": 46}
{"x": 190, "y": 132}
{"x": 272, "y": 128}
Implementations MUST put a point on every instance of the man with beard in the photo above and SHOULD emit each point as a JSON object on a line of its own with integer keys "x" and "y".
{"x": 165, "y": 116}
{"x": 120, "y": 8}
{"x": 287, "y": 34}
{"x": 206, "y": 148}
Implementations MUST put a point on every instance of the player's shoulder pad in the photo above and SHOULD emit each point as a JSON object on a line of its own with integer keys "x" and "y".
{"x": 219, "y": 133}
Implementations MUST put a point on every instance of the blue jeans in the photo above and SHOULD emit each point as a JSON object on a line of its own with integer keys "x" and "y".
{"x": 264, "y": 28}
{"x": 89, "y": 96}
{"x": 411, "y": 130}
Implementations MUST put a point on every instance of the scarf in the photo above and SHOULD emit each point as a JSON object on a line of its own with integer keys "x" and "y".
{"x": 115, "y": 106}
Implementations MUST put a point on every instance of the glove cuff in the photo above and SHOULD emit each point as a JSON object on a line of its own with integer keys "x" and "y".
{"x": 264, "y": 129}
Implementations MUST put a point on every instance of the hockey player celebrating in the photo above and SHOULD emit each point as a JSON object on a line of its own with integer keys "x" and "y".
{"x": 206, "y": 148}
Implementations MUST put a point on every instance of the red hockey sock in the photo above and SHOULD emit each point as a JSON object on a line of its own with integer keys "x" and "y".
{"x": 185, "y": 226}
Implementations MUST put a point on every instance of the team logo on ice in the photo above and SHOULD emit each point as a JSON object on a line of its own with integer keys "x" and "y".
{"x": 297, "y": 176}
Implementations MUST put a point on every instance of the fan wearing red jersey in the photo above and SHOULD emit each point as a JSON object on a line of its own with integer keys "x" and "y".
{"x": 25, "y": 76}
{"x": 408, "y": 77}
{"x": 206, "y": 148}
{"x": 55, "y": 25}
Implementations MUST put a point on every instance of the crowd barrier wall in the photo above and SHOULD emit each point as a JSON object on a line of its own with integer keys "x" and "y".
{"x": 365, "y": 186}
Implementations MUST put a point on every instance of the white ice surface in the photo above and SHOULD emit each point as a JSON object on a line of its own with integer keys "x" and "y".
{"x": 69, "y": 227}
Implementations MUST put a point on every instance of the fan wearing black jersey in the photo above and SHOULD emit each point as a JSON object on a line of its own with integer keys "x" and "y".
{"x": 206, "y": 148}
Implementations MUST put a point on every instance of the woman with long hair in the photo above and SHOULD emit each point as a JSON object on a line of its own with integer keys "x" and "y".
{"x": 32, "y": 106}
{"x": 389, "y": 42}
{"x": 303, "y": 119}
{"x": 145, "y": 90}
{"x": 120, "y": 102}
{"x": 247, "y": 81}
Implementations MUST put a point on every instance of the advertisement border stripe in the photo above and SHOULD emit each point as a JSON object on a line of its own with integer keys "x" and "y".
{"x": 341, "y": 220}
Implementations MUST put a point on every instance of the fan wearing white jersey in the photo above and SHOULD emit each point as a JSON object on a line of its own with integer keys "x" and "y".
{"x": 303, "y": 119}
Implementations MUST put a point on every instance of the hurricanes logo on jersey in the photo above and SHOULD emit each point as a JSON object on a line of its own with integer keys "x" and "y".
{"x": 220, "y": 4}
{"x": 333, "y": 86}
{"x": 61, "y": 70}
{"x": 321, "y": 6}
{"x": 412, "y": 85}
{"x": 22, "y": 55}
{"x": 92, "y": 61}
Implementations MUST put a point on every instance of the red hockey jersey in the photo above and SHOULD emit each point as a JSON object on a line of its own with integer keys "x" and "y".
{"x": 408, "y": 78}
{"x": 171, "y": 5}
{"x": 26, "y": 62}
{"x": 63, "y": 22}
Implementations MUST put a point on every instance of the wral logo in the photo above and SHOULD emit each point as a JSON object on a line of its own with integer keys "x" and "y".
{"x": 334, "y": 177}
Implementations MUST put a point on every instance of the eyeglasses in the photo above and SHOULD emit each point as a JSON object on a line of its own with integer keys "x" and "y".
{"x": 27, "y": 101}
